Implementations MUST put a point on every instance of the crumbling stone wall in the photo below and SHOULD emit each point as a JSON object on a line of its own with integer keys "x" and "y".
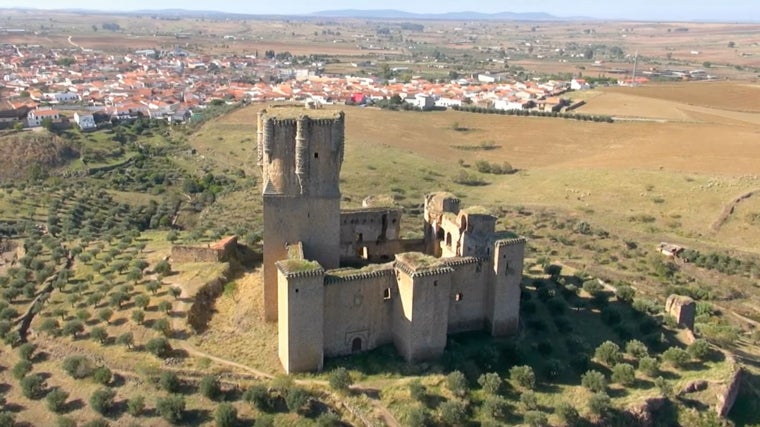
{"x": 200, "y": 311}
{"x": 727, "y": 396}
{"x": 684, "y": 309}
{"x": 221, "y": 251}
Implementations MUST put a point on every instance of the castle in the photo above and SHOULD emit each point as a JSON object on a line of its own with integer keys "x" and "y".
{"x": 462, "y": 276}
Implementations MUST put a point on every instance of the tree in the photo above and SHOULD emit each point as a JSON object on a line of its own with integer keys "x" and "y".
{"x": 594, "y": 381}
{"x": 99, "y": 334}
{"x": 636, "y": 349}
{"x": 209, "y": 387}
{"x": 599, "y": 404}
{"x": 135, "y": 406}
{"x": 7, "y": 419}
{"x": 665, "y": 388}
{"x": 165, "y": 306}
{"x": 33, "y": 386}
{"x": 625, "y": 293}
{"x": 142, "y": 301}
{"x": 101, "y": 400}
{"x": 608, "y": 353}
{"x": 105, "y": 315}
{"x": 225, "y": 415}
{"x": 649, "y": 366}
{"x": 624, "y": 374}
{"x": 490, "y": 383}
{"x": 102, "y": 375}
{"x": 417, "y": 417}
{"x": 163, "y": 268}
{"x": 454, "y": 412}
{"x": 126, "y": 339}
{"x": 677, "y": 357}
{"x": 175, "y": 292}
{"x": 153, "y": 286}
{"x": 523, "y": 376}
{"x": 496, "y": 407}
{"x": 162, "y": 325}
{"x": 72, "y": 328}
{"x": 138, "y": 316}
{"x": 340, "y": 380}
{"x": 457, "y": 383}
{"x": 77, "y": 367}
{"x": 159, "y": 347}
{"x": 171, "y": 408}
{"x": 56, "y": 400}
{"x": 21, "y": 368}
{"x": 169, "y": 381}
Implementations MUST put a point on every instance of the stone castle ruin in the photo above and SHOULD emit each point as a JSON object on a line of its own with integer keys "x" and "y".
{"x": 462, "y": 276}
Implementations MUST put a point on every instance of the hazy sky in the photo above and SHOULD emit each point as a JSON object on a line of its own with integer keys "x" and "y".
{"x": 730, "y": 10}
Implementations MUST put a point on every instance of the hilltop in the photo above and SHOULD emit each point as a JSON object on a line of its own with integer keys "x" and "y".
{"x": 25, "y": 153}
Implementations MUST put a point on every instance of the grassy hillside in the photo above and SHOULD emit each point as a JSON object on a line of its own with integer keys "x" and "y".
{"x": 30, "y": 154}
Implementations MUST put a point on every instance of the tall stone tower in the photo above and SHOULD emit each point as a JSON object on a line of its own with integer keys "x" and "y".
{"x": 300, "y": 152}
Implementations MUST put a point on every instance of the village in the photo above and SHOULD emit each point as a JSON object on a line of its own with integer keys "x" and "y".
{"x": 93, "y": 88}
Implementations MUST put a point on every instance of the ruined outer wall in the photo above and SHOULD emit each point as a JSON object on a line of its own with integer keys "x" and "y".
{"x": 183, "y": 254}
{"x": 301, "y": 314}
{"x": 355, "y": 308}
{"x": 683, "y": 308}
{"x": 373, "y": 232}
{"x": 421, "y": 320}
{"x": 503, "y": 310}
{"x": 467, "y": 300}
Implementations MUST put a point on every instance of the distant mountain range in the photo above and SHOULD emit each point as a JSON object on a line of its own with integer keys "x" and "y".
{"x": 454, "y": 16}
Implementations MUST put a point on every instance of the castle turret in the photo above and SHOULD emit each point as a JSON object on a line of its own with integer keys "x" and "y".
{"x": 503, "y": 301}
{"x": 300, "y": 157}
{"x": 301, "y": 294}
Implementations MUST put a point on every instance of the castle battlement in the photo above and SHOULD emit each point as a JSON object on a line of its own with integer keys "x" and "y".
{"x": 351, "y": 275}
{"x": 510, "y": 242}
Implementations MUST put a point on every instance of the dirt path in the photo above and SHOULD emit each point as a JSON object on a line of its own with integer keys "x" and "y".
{"x": 729, "y": 209}
{"x": 182, "y": 305}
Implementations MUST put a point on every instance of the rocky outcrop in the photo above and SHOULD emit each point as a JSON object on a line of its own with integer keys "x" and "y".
{"x": 644, "y": 413}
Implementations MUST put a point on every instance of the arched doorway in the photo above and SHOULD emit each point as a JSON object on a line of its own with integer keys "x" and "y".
{"x": 356, "y": 345}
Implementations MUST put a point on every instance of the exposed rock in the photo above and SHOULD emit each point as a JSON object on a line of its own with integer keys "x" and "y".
{"x": 643, "y": 413}
{"x": 694, "y": 387}
{"x": 683, "y": 308}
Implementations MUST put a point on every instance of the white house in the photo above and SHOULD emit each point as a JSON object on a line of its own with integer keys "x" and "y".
{"x": 448, "y": 102}
{"x": 35, "y": 117}
{"x": 579, "y": 84}
{"x": 421, "y": 101}
{"x": 506, "y": 104}
{"x": 85, "y": 121}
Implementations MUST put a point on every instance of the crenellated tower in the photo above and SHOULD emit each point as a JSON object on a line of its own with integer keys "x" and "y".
{"x": 300, "y": 156}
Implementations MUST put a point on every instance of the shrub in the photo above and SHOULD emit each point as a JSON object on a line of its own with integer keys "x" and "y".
{"x": 536, "y": 419}
{"x": 699, "y": 349}
{"x": 457, "y": 383}
{"x": 101, "y": 400}
{"x": 567, "y": 414}
{"x": 169, "y": 381}
{"x": 163, "y": 326}
{"x": 417, "y": 417}
{"x": 496, "y": 407}
{"x": 33, "y": 386}
{"x": 138, "y": 316}
{"x": 171, "y": 408}
{"x": 102, "y": 375}
{"x": 490, "y": 383}
{"x": 608, "y": 353}
{"x": 296, "y": 398}
{"x": 165, "y": 306}
{"x": 264, "y": 420}
{"x": 340, "y": 379}
{"x": 454, "y": 412}
{"x": 142, "y": 301}
{"x": 105, "y": 315}
{"x": 26, "y": 351}
{"x": 225, "y": 415}
{"x": 7, "y": 419}
{"x": 625, "y": 293}
{"x": 96, "y": 423}
{"x": 594, "y": 381}
{"x": 77, "y": 366}
{"x": 523, "y": 376}
{"x": 72, "y": 328}
{"x": 528, "y": 400}
{"x": 624, "y": 374}
{"x": 22, "y": 368}
{"x": 649, "y": 366}
{"x": 636, "y": 349}
{"x": 677, "y": 357}
{"x": 56, "y": 400}
{"x": 599, "y": 404}
{"x": 159, "y": 347}
{"x": 136, "y": 406}
{"x": 665, "y": 388}
{"x": 417, "y": 390}
{"x": 258, "y": 396}
{"x": 209, "y": 387}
